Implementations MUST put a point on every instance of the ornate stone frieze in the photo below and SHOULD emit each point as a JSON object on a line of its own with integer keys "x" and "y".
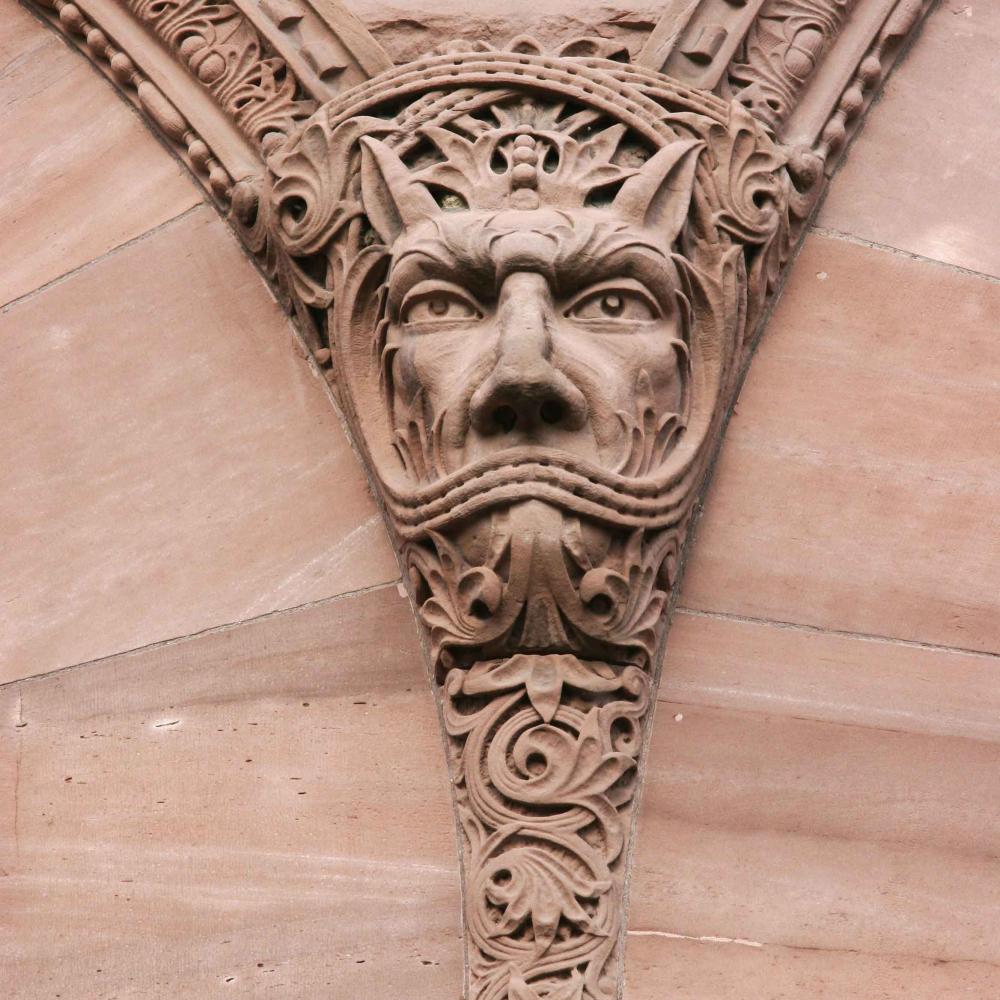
{"x": 534, "y": 281}
{"x": 535, "y": 278}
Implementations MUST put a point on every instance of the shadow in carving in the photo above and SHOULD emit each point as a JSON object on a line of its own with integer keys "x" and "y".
{"x": 534, "y": 280}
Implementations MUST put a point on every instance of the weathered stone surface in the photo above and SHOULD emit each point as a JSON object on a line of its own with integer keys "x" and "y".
{"x": 815, "y": 835}
{"x": 410, "y": 29}
{"x": 79, "y": 172}
{"x": 719, "y": 970}
{"x": 858, "y": 487}
{"x": 924, "y": 170}
{"x": 233, "y": 813}
{"x": 535, "y": 332}
{"x": 847, "y": 679}
{"x": 170, "y": 461}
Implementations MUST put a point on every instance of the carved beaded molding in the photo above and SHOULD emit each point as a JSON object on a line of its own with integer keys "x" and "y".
{"x": 534, "y": 280}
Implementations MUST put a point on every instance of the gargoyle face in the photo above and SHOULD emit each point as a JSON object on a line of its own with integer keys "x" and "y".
{"x": 537, "y": 341}
{"x": 559, "y": 326}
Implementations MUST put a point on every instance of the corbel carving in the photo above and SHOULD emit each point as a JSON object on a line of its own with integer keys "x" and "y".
{"x": 539, "y": 275}
{"x": 534, "y": 280}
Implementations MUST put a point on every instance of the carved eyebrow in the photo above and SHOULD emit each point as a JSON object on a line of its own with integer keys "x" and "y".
{"x": 580, "y": 256}
{"x": 435, "y": 257}
{"x": 632, "y": 258}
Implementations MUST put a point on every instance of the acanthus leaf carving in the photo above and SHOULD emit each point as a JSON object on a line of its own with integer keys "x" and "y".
{"x": 534, "y": 281}
{"x": 780, "y": 52}
{"x": 537, "y": 279}
{"x": 226, "y": 55}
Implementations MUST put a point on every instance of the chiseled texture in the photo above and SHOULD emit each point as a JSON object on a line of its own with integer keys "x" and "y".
{"x": 524, "y": 424}
{"x": 407, "y": 29}
{"x": 246, "y": 813}
{"x": 821, "y": 817}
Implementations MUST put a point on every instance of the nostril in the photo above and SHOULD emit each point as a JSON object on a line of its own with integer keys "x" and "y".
{"x": 505, "y": 417}
{"x": 552, "y": 411}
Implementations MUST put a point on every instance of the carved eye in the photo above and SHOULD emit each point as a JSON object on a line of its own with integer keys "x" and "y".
{"x": 616, "y": 303}
{"x": 431, "y": 302}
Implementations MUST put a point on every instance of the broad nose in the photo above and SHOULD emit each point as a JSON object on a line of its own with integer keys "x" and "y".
{"x": 524, "y": 392}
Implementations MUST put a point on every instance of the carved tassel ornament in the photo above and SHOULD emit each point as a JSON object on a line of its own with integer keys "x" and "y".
{"x": 534, "y": 280}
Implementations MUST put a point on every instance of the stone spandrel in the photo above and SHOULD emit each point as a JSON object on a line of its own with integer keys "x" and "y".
{"x": 534, "y": 279}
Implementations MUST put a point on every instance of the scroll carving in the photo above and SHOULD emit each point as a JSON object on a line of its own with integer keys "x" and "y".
{"x": 780, "y": 53}
{"x": 534, "y": 280}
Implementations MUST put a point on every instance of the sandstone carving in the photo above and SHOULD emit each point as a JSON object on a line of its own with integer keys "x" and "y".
{"x": 538, "y": 274}
{"x": 780, "y": 52}
{"x": 534, "y": 280}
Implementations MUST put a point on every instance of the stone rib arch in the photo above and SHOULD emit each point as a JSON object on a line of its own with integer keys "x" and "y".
{"x": 221, "y": 81}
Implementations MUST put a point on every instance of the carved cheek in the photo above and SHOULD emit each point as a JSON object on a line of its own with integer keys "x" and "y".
{"x": 608, "y": 365}
{"x": 660, "y": 354}
{"x": 405, "y": 380}
{"x": 434, "y": 364}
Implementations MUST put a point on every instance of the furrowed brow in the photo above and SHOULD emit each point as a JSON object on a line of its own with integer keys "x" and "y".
{"x": 435, "y": 258}
{"x": 628, "y": 257}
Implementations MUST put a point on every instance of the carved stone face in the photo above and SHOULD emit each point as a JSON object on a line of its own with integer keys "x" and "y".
{"x": 531, "y": 274}
{"x": 558, "y": 326}
{"x": 539, "y": 340}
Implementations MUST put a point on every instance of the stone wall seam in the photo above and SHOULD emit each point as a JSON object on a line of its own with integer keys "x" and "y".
{"x": 534, "y": 281}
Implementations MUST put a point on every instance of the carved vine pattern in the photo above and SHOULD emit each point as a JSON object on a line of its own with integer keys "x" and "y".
{"x": 534, "y": 280}
{"x": 226, "y": 55}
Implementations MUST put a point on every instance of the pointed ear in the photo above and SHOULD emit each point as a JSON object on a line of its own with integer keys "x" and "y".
{"x": 393, "y": 200}
{"x": 659, "y": 195}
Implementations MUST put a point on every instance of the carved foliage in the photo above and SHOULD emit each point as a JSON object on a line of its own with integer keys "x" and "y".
{"x": 535, "y": 278}
{"x": 780, "y": 52}
{"x": 225, "y": 54}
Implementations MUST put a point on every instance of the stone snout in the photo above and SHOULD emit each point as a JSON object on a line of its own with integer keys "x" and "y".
{"x": 524, "y": 396}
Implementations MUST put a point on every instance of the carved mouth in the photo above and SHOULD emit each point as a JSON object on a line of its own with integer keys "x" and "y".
{"x": 545, "y": 463}
{"x": 464, "y": 658}
{"x": 555, "y": 477}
